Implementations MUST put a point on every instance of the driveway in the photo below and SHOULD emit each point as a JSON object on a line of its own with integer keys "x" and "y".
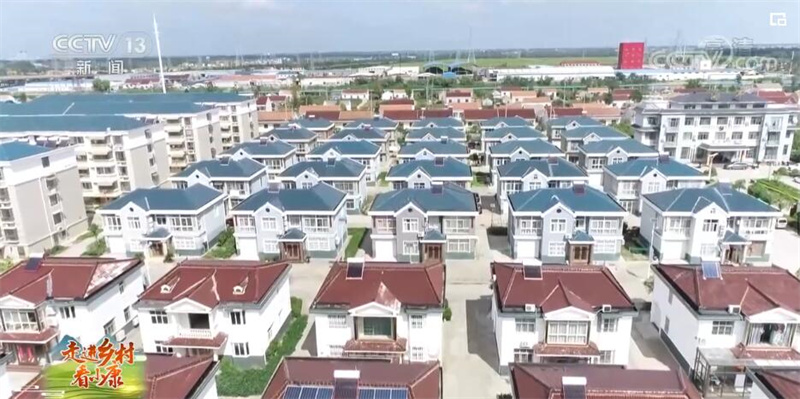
{"x": 786, "y": 249}
{"x": 304, "y": 282}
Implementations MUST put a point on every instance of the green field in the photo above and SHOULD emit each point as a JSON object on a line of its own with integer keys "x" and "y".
{"x": 59, "y": 378}
{"x": 523, "y": 62}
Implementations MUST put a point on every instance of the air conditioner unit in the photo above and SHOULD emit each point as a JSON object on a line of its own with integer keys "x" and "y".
{"x": 734, "y": 309}
{"x": 605, "y": 308}
{"x": 529, "y": 307}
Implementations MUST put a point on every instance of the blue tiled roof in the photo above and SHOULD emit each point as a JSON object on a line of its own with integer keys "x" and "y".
{"x": 449, "y": 168}
{"x": 516, "y": 132}
{"x": 433, "y": 235}
{"x": 269, "y": 148}
{"x": 640, "y": 167}
{"x": 436, "y": 133}
{"x": 342, "y": 167}
{"x": 158, "y": 233}
{"x": 101, "y": 108}
{"x": 604, "y": 132}
{"x": 733, "y": 238}
{"x": 291, "y": 133}
{"x": 360, "y": 134}
{"x": 192, "y": 198}
{"x": 320, "y": 197}
{"x": 293, "y": 234}
{"x": 438, "y": 122}
{"x": 217, "y": 168}
{"x": 435, "y": 147}
{"x": 581, "y": 236}
{"x": 193, "y": 97}
{"x": 529, "y": 146}
{"x": 559, "y": 167}
{"x": 14, "y": 150}
{"x": 566, "y": 120}
{"x": 69, "y": 123}
{"x": 511, "y": 121}
{"x": 348, "y": 148}
{"x": 378, "y": 123}
{"x": 695, "y": 199}
{"x": 591, "y": 200}
{"x": 311, "y": 123}
{"x": 630, "y": 146}
{"x": 452, "y": 199}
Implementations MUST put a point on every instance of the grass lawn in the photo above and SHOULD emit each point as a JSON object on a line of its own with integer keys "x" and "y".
{"x": 628, "y": 255}
{"x": 480, "y": 179}
{"x": 523, "y": 62}
{"x": 356, "y": 237}
{"x": 59, "y": 377}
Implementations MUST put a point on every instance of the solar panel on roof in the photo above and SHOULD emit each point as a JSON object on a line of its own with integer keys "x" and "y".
{"x": 325, "y": 393}
{"x": 401, "y": 393}
{"x": 355, "y": 270}
{"x": 710, "y": 269}
{"x": 33, "y": 263}
{"x": 366, "y": 393}
{"x": 383, "y": 394}
{"x": 292, "y": 393}
{"x": 308, "y": 393}
{"x": 532, "y": 272}
{"x": 345, "y": 388}
{"x": 574, "y": 391}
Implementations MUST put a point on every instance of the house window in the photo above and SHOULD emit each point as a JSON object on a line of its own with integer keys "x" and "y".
{"x": 605, "y": 247}
{"x": 457, "y": 225}
{"x": 183, "y": 242}
{"x": 666, "y": 325}
{"x": 722, "y": 328}
{"x": 384, "y": 225}
{"x": 410, "y": 248}
{"x": 126, "y": 313}
{"x": 555, "y": 249}
{"x": 709, "y": 250}
{"x": 459, "y": 245}
{"x": 269, "y": 224}
{"x": 529, "y": 226}
{"x": 710, "y": 225}
{"x": 722, "y": 120}
{"x": 558, "y": 226}
{"x": 417, "y": 321}
{"x": 525, "y": 325}
{"x": 737, "y": 135}
{"x": 336, "y": 350}
{"x": 606, "y": 357}
{"x": 20, "y": 320}
{"x": 604, "y": 226}
{"x": 241, "y": 349}
{"x": 512, "y": 187}
{"x": 134, "y": 223}
{"x": 67, "y": 312}
{"x": 756, "y": 120}
{"x": 411, "y": 225}
{"x": 705, "y": 121}
{"x": 108, "y": 328}
{"x": 181, "y": 223}
{"x": 609, "y": 325}
{"x": 318, "y": 244}
{"x": 567, "y": 332}
{"x": 238, "y": 317}
{"x": 419, "y": 186}
{"x": 417, "y": 354}
{"x": 523, "y": 355}
{"x": 337, "y": 321}
{"x": 702, "y": 136}
{"x": 673, "y": 122}
{"x": 160, "y": 348}
{"x": 376, "y": 327}
{"x": 121, "y": 287}
{"x": 653, "y": 187}
{"x": 688, "y": 122}
{"x": 158, "y": 317}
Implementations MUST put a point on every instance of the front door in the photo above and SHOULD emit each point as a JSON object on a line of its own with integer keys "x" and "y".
{"x": 580, "y": 254}
{"x": 26, "y": 355}
{"x": 292, "y": 251}
{"x": 433, "y": 252}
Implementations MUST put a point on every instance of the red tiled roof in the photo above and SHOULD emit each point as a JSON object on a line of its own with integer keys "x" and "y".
{"x": 457, "y": 93}
{"x": 408, "y": 284}
{"x": 401, "y": 115}
{"x": 781, "y": 383}
{"x": 375, "y": 346}
{"x": 263, "y": 99}
{"x": 275, "y": 116}
{"x": 40, "y": 337}
{"x": 744, "y": 352}
{"x": 397, "y": 101}
{"x": 169, "y": 377}
{"x": 211, "y": 282}
{"x": 72, "y": 278}
{"x": 543, "y": 349}
{"x": 558, "y": 112}
{"x": 329, "y": 115}
{"x": 435, "y": 113}
{"x": 620, "y": 97}
{"x": 531, "y": 381}
{"x": 755, "y": 289}
{"x": 777, "y": 97}
{"x": 627, "y": 92}
{"x": 421, "y": 379}
{"x": 485, "y": 114}
{"x": 217, "y": 342}
{"x": 586, "y": 288}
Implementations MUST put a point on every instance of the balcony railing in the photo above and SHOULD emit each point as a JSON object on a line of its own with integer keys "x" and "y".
{"x": 246, "y": 229}
{"x": 196, "y": 333}
{"x": 753, "y": 231}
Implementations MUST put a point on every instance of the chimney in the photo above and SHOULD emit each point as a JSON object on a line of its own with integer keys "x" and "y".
{"x": 573, "y": 387}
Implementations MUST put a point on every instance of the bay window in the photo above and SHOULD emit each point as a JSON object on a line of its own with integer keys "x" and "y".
{"x": 604, "y": 226}
{"x": 511, "y": 187}
{"x": 568, "y": 332}
{"x": 529, "y": 226}
{"x": 316, "y": 224}
{"x": 680, "y": 226}
{"x": 182, "y": 223}
{"x": 457, "y": 225}
{"x": 112, "y": 223}
{"x": 384, "y": 225}
{"x": 20, "y": 320}
{"x": 245, "y": 224}
{"x": 770, "y": 334}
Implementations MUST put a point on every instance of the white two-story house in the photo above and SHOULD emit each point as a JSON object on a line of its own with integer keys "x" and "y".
{"x": 302, "y": 139}
{"x": 237, "y": 178}
{"x": 557, "y": 126}
{"x": 361, "y": 151}
{"x": 500, "y": 135}
{"x": 573, "y": 138}
{"x": 292, "y": 224}
{"x": 533, "y": 174}
{"x": 343, "y": 174}
{"x": 45, "y": 302}
{"x": 595, "y": 155}
{"x": 423, "y": 173}
{"x": 519, "y": 150}
{"x": 274, "y": 154}
{"x": 714, "y": 222}
{"x": 553, "y": 314}
{"x": 431, "y": 149}
{"x": 219, "y": 308}
{"x": 156, "y": 221}
{"x": 718, "y": 320}
{"x": 390, "y": 310}
{"x": 436, "y": 133}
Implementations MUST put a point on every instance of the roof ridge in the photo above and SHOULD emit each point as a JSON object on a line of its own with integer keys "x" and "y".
{"x": 197, "y": 360}
{"x": 510, "y": 283}
{"x": 191, "y": 288}
{"x": 424, "y": 374}
{"x": 91, "y": 276}
{"x": 427, "y": 269}
{"x": 335, "y": 271}
{"x": 30, "y": 283}
{"x": 762, "y": 293}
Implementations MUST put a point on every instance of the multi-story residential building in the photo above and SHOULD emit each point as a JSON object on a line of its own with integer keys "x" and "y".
{"x": 105, "y": 147}
{"x": 595, "y": 155}
{"x": 436, "y": 133}
{"x": 42, "y": 300}
{"x": 444, "y": 148}
{"x": 769, "y": 383}
{"x": 557, "y": 126}
{"x": 520, "y": 150}
{"x": 553, "y": 314}
{"x": 342, "y": 174}
{"x": 573, "y": 138}
{"x": 361, "y": 151}
{"x": 718, "y": 127}
{"x": 308, "y": 377}
{"x": 321, "y": 127}
{"x": 302, "y": 139}
{"x": 592, "y": 381}
{"x": 424, "y": 224}
{"x": 237, "y": 178}
{"x": 424, "y": 173}
{"x": 437, "y": 122}
{"x": 500, "y": 135}
{"x": 41, "y": 205}
{"x": 375, "y": 136}
{"x": 380, "y": 309}
{"x": 156, "y": 221}
{"x": 533, "y": 174}
{"x": 714, "y": 222}
{"x": 238, "y": 116}
{"x": 355, "y": 94}
{"x": 222, "y": 308}
{"x": 577, "y": 225}
{"x": 626, "y": 182}
{"x": 718, "y": 320}
{"x": 274, "y": 154}
{"x": 291, "y": 224}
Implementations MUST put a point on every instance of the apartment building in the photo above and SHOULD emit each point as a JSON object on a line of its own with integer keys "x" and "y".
{"x": 416, "y": 225}
{"x": 714, "y": 222}
{"x": 534, "y": 174}
{"x": 158, "y": 221}
{"x": 717, "y": 320}
{"x": 427, "y": 149}
{"x": 236, "y": 178}
{"x": 595, "y": 155}
{"x": 577, "y": 225}
{"x": 361, "y": 151}
{"x": 552, "y": 314}
{"x": 302, "y": 139}
{"x": 628, "y": 181}
{"x": 718, "y": 128}
{"x": 520, "y": 150}
{"x": 308, "y": 377}
{"x": 343, "y": 174}
{"x": 426, "y": 121}
{"x": 105, "y": 148}
{"x": 43, "y": 300}
{"x": 501, "y": 135}
{"x": 436, "y": 133}
{"x": 41, "y": 205}
{"x": 380, "y": 309}
{"x": 218, "y": 308}
{"x": 376, "y": 136}
{"x": 274, "y": 154}
{"x": 321, "y": 127}
{"x": 422, "y": 174}
{"x": 572, "y": 139}
{"x": 291, "y": 224}
{"x": 557, "y": 126}
{"x": 238, "y": 115}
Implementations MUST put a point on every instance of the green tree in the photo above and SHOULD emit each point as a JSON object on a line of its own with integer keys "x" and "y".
{"x": 625, "y": 127}
{"x": 94, "y": 230}
{"x": 636, "y": 96}
{"x": 295, "y": 96}
{"x": 101, "y": 85}
{"x": 607, "y": 98}
{"x": 693, "y": 84}
{"x": 21, "y": 97}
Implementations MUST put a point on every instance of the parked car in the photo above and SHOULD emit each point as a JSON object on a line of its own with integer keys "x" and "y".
{"x": 782, "y": 223}
{"x": 739, "y": 166}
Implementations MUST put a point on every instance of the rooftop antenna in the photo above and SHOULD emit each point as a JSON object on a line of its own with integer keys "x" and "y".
{"x": 471, "y": 54}
{"x": 160, "y": 62}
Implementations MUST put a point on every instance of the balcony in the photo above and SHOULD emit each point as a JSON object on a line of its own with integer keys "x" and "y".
{"x": 774, "y": 127}
{"x": 177, "y": 153}
{"x": 773, "y": 143}
{"x": 173, "y": 128}
{"x": 197, "y": 338}
{"x": 34, "y": 336}
{"x": 100, "y": 149}
{"x": 5, "y": 202}
{"x": 8, "y": 223}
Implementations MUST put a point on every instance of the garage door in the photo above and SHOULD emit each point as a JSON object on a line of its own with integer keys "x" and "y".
{"x": 384, "y": 250}
{"x": 247, "y": 248}
{"x": 116, "y": 245}
{"x": 526, "y": 250}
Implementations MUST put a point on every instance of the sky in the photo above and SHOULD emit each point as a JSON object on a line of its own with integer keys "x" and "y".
{"x": 227, "y": 27}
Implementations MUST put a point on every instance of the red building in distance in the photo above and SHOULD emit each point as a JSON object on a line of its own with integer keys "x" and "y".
{"x": 631, "y": 55}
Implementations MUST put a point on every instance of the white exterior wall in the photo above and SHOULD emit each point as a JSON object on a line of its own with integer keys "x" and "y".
{"x": 5, "y": 382}
{"x": 683, "y": 323}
